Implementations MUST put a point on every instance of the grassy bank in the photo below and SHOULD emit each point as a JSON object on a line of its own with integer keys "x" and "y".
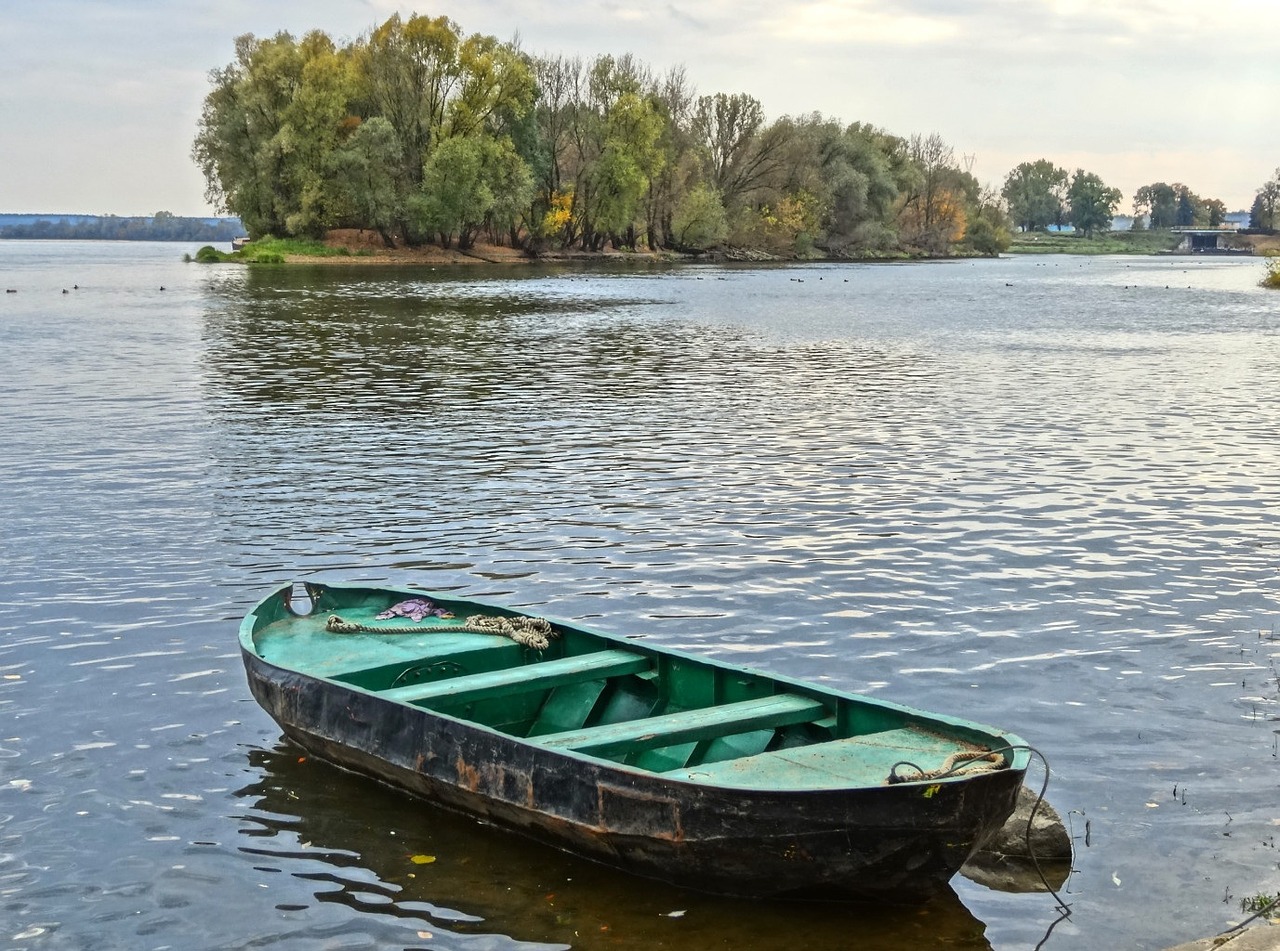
{"x": 273, "y": 251}
{"x": 1104, "y": 242}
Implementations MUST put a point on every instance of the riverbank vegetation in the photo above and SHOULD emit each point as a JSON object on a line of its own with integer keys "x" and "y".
{"x": 1272, "y": 277}
{"x": 1103, "y": 242}
{"x": 427, "y": 136}
{"x": 423, "y": 134}
{"x": 270, "y": 250}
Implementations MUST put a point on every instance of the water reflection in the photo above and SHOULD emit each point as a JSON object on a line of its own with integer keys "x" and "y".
{"x": 1049, "y": 505}
{"x": 401, "y": 857}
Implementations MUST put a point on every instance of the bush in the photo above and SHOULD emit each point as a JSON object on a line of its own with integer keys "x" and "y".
{"x": 987, "y": 238}
{"x": 211, "y": 255}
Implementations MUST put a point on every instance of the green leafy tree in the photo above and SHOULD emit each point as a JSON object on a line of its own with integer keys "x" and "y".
{"x": 1266, "y": 203}
{"x": 740, "y": 154}
{"x": 454, "y": 196}
{"x": 984, "y": 237}
{"x": 433, "y": 84}
{"x": 315, "y": 122}
{"x": 410, "y": 72}
{"x": 466, "y": 182}
{"x": 366, "y": 169}
{"x": 1036, "y": 194}
{"x": 241, "y": 143}
{"x": 1091, "y": 202}
{"x": 511, "y": 181}
{"x": 861, "y": 188}
{"x": 1159, "y": 201}
{"x": 988, "y": 227}
{"x": 1185, "y": 216}
{"x": 629, "y": 159}
{"x": 700, "y": 221}
{"x": 1212, "y": 212}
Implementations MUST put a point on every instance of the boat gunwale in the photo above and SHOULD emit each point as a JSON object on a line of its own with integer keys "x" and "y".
{"x": 1017, "y": 754}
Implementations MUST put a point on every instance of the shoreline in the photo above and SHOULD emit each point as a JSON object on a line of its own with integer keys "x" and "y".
{"x": 366, "y": 248}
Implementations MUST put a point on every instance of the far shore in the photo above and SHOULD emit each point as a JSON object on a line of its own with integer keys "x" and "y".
{"x": 367, "y": 247}
{"x": 353, "y": 247}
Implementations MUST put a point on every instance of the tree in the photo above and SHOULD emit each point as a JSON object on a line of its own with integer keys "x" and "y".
{"x": 739, "y": 154}
{"x": 1160, "y": 202}
{"x": 367, "y": 169}
{"x": 988, "y": 229}
{"x": 628, "y": 162}
{"x": 1212, "y": 212}
{"x": 1036, "y": 193}
{"x": 699, "y": 221}
{"x": 1265, "y": 204}
{"x": 411, "y": 72}
{"x": 241, "y": 141}
{"x": 861, "y": 187}
{"x": 465, "y": 182}
{"x": 315, "y": 121}
{"x": 1092, "y": 204}
{"x": 934, "y": 211}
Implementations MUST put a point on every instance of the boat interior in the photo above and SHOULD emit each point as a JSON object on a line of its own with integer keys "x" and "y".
{"x": 616, "y": 700}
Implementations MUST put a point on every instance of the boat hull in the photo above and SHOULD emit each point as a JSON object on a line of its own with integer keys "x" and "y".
{"x": 889, "y": 842}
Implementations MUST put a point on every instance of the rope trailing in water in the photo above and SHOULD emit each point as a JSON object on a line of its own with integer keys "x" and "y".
{"x": 951, "y": 766}
{"x": 534, "y": 632}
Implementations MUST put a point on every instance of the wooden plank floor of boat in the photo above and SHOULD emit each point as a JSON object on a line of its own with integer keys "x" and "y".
{"x": 299, "y": 643}
{"x": 856, "y": 761}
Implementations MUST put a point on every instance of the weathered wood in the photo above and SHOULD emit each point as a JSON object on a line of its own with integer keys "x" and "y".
{"x": 524, "y": 679}
{"x": 689, "y": 725}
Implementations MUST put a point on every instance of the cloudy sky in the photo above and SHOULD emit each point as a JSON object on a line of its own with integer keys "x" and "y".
{"x": 99, "y": 100}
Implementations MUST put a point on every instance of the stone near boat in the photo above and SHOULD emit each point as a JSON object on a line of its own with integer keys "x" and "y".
{"x": 1005, "y": 860}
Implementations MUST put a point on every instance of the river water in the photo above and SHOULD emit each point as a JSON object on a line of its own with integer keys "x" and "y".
{"x": 1040, "y": 492}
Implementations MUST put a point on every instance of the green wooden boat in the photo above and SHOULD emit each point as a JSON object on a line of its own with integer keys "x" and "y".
{"x": 661, "y": 763}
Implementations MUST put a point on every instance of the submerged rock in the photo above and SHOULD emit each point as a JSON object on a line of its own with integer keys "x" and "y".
{"x": 1007, "y": 860}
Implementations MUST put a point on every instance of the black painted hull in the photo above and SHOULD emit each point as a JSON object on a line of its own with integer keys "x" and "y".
{"x": 896, "y": 842}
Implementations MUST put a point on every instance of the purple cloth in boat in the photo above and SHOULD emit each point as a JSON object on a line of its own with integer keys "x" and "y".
{"x": 415, "y": 609}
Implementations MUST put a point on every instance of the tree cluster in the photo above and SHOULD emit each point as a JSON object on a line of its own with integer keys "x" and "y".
{"x": 1177, "y": 206}
{"x": 424, "y": 134}
{"x": 1040, "y": 195}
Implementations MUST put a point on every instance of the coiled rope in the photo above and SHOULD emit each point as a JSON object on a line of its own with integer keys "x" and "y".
{"x": 534, "y": 632}
{"x": 979, "y": 761}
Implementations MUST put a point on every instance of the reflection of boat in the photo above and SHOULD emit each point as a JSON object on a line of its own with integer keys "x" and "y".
{"x": 366, "y": 847}
{"x": 659, "y": 763}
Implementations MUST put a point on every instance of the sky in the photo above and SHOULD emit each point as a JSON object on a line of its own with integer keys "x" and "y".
{"x": 99, "y": 99}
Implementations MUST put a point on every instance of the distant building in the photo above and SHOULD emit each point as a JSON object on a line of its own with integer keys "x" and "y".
{"x": 1207, "y": 241}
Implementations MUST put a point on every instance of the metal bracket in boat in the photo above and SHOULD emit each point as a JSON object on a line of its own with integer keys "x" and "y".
{"x": 310, "y": 592}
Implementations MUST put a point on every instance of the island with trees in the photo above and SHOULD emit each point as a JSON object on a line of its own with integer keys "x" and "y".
{"x": 419, "y": 134}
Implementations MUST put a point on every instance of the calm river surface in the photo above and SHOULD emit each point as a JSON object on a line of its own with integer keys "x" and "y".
{"x": 1038, "y": 492}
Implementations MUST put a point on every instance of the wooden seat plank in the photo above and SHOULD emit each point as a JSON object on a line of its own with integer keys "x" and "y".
{"x": 687, "y": 726}
{"x": 542, "y": 675}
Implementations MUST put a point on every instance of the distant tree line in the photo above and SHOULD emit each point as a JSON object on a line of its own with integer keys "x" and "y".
{"x": 163, "y": 226}
{"x": 1040, "y": 195}
{"x": 421, "y": 134}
